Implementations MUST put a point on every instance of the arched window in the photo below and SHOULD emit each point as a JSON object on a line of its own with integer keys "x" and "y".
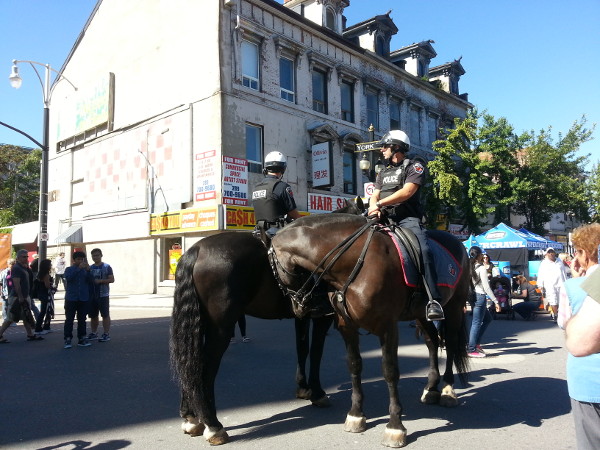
{"x": 380, "y": 46}
{"x": 330, "y": 19}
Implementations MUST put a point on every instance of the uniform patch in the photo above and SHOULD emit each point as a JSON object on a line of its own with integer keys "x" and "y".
{"x": 419, "y": 168}
{"x": 259, "y": 194}
{"x": 289, "y": 191}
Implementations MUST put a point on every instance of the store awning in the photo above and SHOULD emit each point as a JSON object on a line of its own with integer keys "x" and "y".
{"x": 25, "y": 233}
{"x": 72, "y": 235}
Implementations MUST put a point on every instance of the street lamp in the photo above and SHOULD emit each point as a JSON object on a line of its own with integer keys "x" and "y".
{"x": 47, "y": 89}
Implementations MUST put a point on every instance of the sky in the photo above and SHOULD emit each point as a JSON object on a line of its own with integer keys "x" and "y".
{"x": 534, "y": 62}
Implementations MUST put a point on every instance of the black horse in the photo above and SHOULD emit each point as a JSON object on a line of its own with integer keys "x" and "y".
{"x": 217, "y": 279}
{"x": 371, "y": 293}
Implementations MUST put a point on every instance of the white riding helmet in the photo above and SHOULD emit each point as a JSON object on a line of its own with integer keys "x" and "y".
{"x": 396, "y": 137}
{"x": 275, "y": 162}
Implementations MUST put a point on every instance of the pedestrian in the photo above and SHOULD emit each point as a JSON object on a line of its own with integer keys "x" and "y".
{"x": 551, "y": 276}
{"x": 77, "y": 299}
{"x": 102, "y": 274}
{"x": 18, "y": 292}
{"x": 397, "y": 190}
{"x": 59, "y": 270}
{"x": 531, "y": 299}
{"x": 4, "y": 277}
{"x": 242, "y": 325}
{"x": 481, "y": 314}
{"x": 273, "y": 199}
{"x": 45, "y": 291}
{"x": 489, "y": 265}
{"x": 580, "y": 315}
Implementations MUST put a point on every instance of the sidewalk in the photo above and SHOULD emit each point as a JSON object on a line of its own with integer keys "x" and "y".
{"x": 137, "y": 301}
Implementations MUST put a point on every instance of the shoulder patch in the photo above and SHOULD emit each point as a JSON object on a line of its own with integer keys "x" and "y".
{"x": 419, "y": 168}
{"x": 289, "y": 191}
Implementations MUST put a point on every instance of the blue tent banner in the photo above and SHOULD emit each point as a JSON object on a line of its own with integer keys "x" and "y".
{"x": 503, "y": 236}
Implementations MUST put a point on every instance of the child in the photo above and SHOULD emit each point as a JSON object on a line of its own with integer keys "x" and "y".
{"x": 501, "y": 295}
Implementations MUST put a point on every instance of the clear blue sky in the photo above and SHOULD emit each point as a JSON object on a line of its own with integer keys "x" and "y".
{"x": 535, "y": 62}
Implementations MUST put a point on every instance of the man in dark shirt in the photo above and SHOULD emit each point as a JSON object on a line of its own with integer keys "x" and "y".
{"x": 397, "y": 189}
{"x": 18, "y": 291}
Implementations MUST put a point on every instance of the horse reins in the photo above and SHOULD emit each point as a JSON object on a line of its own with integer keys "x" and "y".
{"x": 303, "y": 294}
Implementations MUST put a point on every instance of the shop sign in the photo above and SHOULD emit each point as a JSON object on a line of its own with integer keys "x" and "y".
{"x": 322, "y": 166}
{"x": 205, "y": 176}
{"x": 235, "y": 181}
{"x": 320, "y": 203}
{"x": 239, "y": 218}
{"x": 185, "y": 221}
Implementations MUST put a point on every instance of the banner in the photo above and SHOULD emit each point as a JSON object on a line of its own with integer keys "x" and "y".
{"x": 5, "y": 244}
{"x": 185, "y": 221}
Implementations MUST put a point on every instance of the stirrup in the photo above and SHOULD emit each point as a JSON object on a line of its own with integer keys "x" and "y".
{"x": 434, "y": 311}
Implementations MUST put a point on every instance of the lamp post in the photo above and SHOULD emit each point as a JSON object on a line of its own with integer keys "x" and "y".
{"x": 47, "y": 89}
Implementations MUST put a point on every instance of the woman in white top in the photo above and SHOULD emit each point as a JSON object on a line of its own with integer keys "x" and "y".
{"x": 481, "y": 315}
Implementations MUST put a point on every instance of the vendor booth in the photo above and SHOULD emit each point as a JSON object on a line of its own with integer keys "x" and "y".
{"x": 504, "y": 243}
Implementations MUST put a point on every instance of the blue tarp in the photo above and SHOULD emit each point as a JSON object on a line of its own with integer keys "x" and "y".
{"x": 549, "y": 243}
{"x": 503, "y": 237}
{"x": 470, "y": 242}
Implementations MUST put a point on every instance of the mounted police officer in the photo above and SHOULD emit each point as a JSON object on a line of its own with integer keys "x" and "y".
{"x": 397, "y": 190}
{"x": 272, "y": 198}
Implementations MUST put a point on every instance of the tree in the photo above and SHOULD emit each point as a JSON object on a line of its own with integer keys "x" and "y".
{"x": 19, "y": 184}
{"x": 592, "y": 187}
{"x": 473, "y": 170}
{"x": 550, "y": 177}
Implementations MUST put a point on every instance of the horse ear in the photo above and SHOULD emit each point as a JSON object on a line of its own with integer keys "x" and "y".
{"x": 359, "y": 203}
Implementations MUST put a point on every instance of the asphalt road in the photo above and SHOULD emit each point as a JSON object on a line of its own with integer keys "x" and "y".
{"x": 120, "y": 394}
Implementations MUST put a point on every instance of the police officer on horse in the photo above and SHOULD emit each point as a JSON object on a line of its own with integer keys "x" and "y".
{"x": 272, "y": 198}
{"x": 397, "y": 190}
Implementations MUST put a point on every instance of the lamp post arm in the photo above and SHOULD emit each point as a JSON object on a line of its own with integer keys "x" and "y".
{"x": 46, "y": 89}
{"x": 23, "y": 133}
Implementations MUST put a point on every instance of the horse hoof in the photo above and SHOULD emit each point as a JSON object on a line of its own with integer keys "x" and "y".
{"x": 192, "y": 426}
{"x": 430, "y": 397}
{"x": 218, "y": 437}
{"x": 303, "y": 393}
{"x": 449, "y": 398}
{"x": 322, "y": 402}
{"x": 355, "y": 424}
{"x": 448, "y": 401}
{"x": 394, "y": 438}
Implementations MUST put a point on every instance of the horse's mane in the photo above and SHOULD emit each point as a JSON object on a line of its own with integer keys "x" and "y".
{"x": 319, "y": 219}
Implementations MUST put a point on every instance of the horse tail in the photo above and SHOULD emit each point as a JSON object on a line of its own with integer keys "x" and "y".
{"x": 461, "y": 356}
{"x": 187, "y": 331}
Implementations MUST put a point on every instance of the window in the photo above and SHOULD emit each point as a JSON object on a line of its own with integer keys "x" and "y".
{"x": 330, "y": 19}
{"x": 287, "y": 79}
{"x": 254, "y": 147}
{"x": 349, "y": 172}
{"x": 395, "y": 115}
{"x": 373, "y": 108}
{"x": 432, "y": 127}
{"x": 319, "y": 85}
{"x": 415, "y": 126}
{"x": 347, "y": 94}
{"x": 380, "y": 46}
{"x": 250, "y": 66}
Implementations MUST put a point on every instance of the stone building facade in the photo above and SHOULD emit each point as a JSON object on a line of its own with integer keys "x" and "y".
{"x": 178, "y": 103}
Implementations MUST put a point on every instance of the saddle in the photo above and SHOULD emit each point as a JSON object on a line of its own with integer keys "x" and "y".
{"x": 447, "y": 268}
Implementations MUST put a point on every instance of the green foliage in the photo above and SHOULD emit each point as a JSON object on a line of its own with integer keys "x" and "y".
{"x": 592, "y": 187}
{"x": 482, "y": 167}
{"x": 19, "y": 184}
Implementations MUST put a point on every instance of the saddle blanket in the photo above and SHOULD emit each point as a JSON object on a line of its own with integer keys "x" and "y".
{"x": 447, "y": 268}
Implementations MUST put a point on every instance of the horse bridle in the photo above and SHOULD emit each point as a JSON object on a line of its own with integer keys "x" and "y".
{"x": 302, "y": 295}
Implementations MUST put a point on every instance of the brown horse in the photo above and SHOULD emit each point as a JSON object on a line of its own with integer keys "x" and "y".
{"x": 376, "y": 297}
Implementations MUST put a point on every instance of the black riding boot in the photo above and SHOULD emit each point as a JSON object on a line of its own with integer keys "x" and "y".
{"x": 434, "y": 311}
